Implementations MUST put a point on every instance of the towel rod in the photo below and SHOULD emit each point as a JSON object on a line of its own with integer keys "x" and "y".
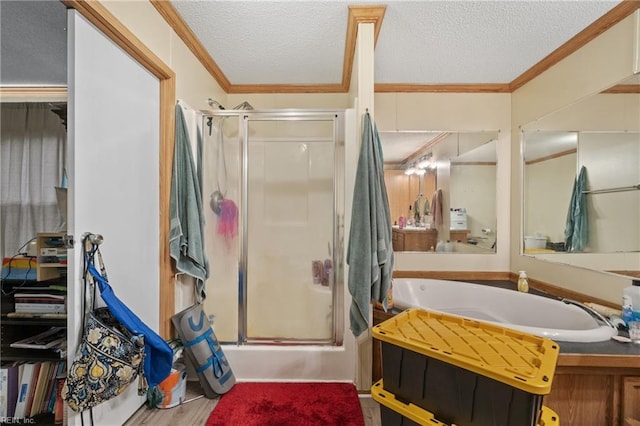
{"x": 618, "y": 189}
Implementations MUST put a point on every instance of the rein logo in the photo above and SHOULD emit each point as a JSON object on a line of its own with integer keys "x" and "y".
{"x": 17, "y": 421}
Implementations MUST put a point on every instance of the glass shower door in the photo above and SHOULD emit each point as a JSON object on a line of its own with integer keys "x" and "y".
{"x": 288, "y": 244}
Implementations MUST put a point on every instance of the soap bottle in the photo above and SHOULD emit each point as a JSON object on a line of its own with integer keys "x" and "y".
{"x": 410, "y": 217}
{"x": 523, "y": 282}
{"x": 631, "y": 302}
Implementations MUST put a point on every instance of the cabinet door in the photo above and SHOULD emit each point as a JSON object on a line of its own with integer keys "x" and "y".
{"x": 631, "y": 401}
{"x": 113, "y": 169}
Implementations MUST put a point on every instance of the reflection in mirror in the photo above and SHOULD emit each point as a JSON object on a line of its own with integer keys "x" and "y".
{"x": 590, "y": 221}
{"x": 442, "y": 190}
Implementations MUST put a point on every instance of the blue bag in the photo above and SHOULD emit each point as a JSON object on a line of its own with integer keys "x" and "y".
{"x": 158, "y": 358}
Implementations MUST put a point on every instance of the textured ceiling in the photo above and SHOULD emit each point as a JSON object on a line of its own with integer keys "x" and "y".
{"x": 420, "y": 42}
{"x": 33, "y": 43}
{"x": 303, "y": 41}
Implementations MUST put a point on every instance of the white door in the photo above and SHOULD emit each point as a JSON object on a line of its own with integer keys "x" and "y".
{"x": 113, "y": 169}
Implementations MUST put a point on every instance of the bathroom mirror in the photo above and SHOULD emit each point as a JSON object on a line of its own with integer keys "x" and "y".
{"x": 462, "y": 165}
{"x": 601, "y": 136}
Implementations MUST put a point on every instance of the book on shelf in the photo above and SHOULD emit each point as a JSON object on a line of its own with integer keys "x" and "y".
{"x": 58, "y": 408}
{"x": 39, "y": 387}
{"x": 9, "y": 376}
{"x": 51, "y": 296}
{"x": 54, "y": 337}
{"x": 34, "y": 391}
{"x": 4, "y": 390}
{"x": 56, "y": 286}
{"x": 52, "y": 308}
{"x": 24, "y": 389}
{"x": 32, "y": 388}
{"x": 60, "y": 375}
{"x": 41, "y": 315}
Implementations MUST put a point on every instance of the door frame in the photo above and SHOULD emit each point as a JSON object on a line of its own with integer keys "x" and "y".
{"x": 111, "y": 27}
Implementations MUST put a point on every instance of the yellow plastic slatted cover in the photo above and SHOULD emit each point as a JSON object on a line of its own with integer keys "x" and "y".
{"x": 519, "y": 359}
{"x": 409, "y": 411}
{"x": 548, "y": 417}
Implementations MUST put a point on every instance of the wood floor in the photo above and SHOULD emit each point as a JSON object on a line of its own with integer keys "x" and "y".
{"x": 196, "y": 412}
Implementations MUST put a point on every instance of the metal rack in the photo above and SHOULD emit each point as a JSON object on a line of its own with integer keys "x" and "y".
{"x": 618, "y": 189}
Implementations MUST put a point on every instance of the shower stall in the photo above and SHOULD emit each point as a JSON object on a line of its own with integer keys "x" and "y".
{"x": 273, "y": 196}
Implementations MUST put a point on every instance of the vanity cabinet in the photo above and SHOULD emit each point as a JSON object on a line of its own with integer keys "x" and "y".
{"x": 459, "y": 235}
{"x": 585, "y": 393}
{"x": 631, "y": 400}
{"x": 414, "y": 239}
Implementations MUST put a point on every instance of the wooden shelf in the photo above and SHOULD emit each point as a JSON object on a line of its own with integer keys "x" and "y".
{"x": 48, "y": 270}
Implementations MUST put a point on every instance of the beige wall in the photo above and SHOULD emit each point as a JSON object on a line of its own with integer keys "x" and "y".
{"x": 456, "y": 112}
{"x": 194, "y": 84}
{"x": 474, "y": 188}
{"x": 606, "y": 60}
{"x": 548, "y": 186}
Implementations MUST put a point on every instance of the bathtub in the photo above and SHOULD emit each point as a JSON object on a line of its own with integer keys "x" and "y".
{"x": 525, "y": 312}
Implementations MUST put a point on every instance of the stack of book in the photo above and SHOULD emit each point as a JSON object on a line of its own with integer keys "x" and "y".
{"x": 40, "y": 302}
{"x": 32, "y": 389}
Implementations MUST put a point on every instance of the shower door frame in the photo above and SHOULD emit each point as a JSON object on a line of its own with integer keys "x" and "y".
{"x": 338, "y": 118}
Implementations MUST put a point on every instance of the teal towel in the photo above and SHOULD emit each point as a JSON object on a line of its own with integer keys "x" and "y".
{"x": 576, "y": 233}
{"x": 186, "y": 232}
{"x": 369, "y": 254}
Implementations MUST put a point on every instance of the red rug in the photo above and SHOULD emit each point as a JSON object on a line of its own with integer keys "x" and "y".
{"x": 299, "y": 404}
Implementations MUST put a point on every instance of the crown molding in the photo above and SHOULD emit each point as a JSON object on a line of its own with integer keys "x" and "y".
{"x": 606, "y": 21}
{"x": 442, "y": 88}
{"x": 33, "y": 93}
{"x": 175, "y": 21}
{"x": 358, "y": 15}
{"x": 286, "y": 88}
{"x": 375, "y": 14}
{"x": 623, "y": 88}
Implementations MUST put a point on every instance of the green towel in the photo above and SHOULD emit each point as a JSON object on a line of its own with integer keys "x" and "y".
{"x": 576, "y": 233}
{"x": 186, "y": 232}
{"x": 369, "y": 254}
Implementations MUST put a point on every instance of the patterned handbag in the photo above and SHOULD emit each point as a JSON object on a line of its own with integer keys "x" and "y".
{"x": 109, "y": 357}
